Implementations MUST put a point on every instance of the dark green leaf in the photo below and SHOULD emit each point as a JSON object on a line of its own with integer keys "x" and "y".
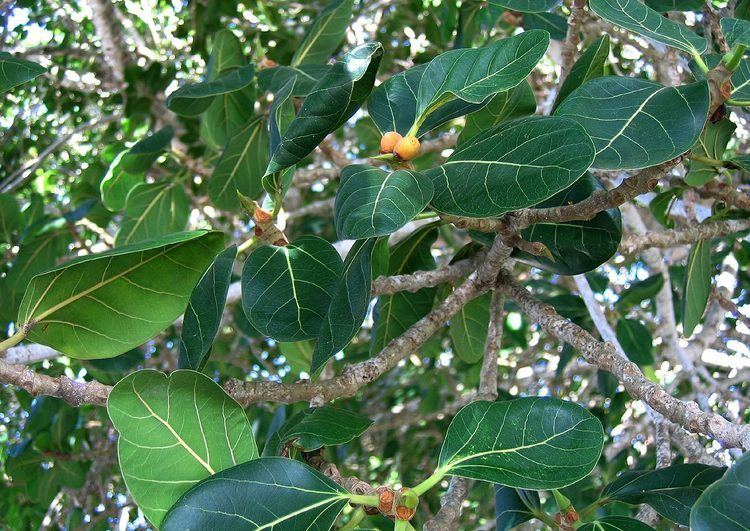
{"x": 286, "y": 291}
{"x": 304, "y": 78}
{"x": 697, "y": 285}
{"x": 662, "y": 6}
{"x": 371, "y": 202}
{"x": 528, "y": 443}
{"x": 152, "y": 210}
{"x": 175, "y": 431}
{"x": 241, "y": 166}
{"x": 724, "y": 505}
{"x": 266, "y": 493}
{"x": 589, "y": 66}
{"x": 736, "y": 31}
{"x": 280, "y": 115}
{"x": 468, "y": 329}
{"x": 554, "y": 24}
{"x": 636, "y": 123}
{"x": 671, "y": 491}
{"x": 636, "y": 341}
{"x": 615, "y": 523}
{"x": 326, "y": 33}
{"x": 142, "y": 155}
{"x": 639, "y": 291}
{"x": 512, "y": 506}
{"x": 193, "y": 99}
{"x": 117, "y": 183}
{"x": 712, "y": 143}
{"x": 525, "y": 6}
{"x": 14, "y": 72}
{"x": 349, "y": 304}
{"x": 634, "y": 16}
{"x": 314, "y": 428}
{"x": 203, "y": 314}
{"x": 333, "y": 100}
{"x": 514, "y": 103}
{"x": 576, "y": 246}
{"x": 104, "y": 304}
{"x": 11, "y": 221}
{"x": 395, "y": 313}
{"x": 511, "y": 166}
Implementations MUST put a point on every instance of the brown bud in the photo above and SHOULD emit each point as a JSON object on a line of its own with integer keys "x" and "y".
{"x": 404, "y": 513}
{"x": 258, "y": 231}
{"x": 385, "y": 499}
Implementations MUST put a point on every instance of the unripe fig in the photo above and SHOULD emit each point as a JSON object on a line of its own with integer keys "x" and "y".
{"x": 407, "y": 148}
{"x": 388, "y": 142}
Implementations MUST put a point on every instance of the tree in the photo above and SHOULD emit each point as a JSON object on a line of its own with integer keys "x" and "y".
{"x": 374, "y": 264}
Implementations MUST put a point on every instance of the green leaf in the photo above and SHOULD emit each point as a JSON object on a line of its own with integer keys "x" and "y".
{"x": 144, "y": 153}
{"x": 36, "y": 254}
{"x": 266, "y": 493}
{"x": 152, "y": 210}
{"x": 671, "y": 491}
{"x": 314, "y": 428}
{"x": 349, "y": 304}
{"x": 286, "y": 291}
{"x": 193, "y": 99}
{"x": 468, "y": 329}
{"x": 298, "y": 355}
{"x": 736, "y": 31}
{"x": 325, "y": 34}
{"x": 663, "y": 6}
{"x": 527, "y": 443}
{"x": 525, "y": 6}
{"x": 615, "y": 523}
{"x": 636, "y": 341}
{"x": 639, "y": 291}
{"x": 554, "y": 24}
{"x": 697, "y": 285}
{"x": 504, "y": 107}
{"x": 241, "y": 166}
{"x": 333, "y": 100}
{"x": 634, "y": 16}
{"x": 395, "y": 313}
{"x": 303, "y": 78}
{"x": 203, "y": 314}
{"x": 371, "y": 202}
{"x": 712, "y": 143}
{"x": 102, "y": 305}
{"x": 117, "y": 183}
{"x": 175, "y": 431}
{"x": 11, "y": 220}
{"x": 512, "y": 506}
{"x": 576, "y": 246}
{"x": 511, "y": 166}
{"x": 636, "y": 123}
{"x": 280, "y": 115}
{"x": 589, "y": 66}
{"x": 723, "y": 505}
{"x": 14, "y": 72}
{"x": 743, "y": 162}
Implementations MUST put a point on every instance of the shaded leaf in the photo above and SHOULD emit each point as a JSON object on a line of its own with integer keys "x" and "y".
{"x": 697, "y": 285}
{"x": 325, "y": 34}
{"x": 712, "y": 143}
{"x": 525, "y": 6}
{"x": 193, "y": 99}
{"x": 287, "y": 290}
{"x": 152, "y": 210}
{"x": 303, "y": 78}
{"x": 14, "y": 71}
{"x": 512, "y": 506}
{"x": 529, "y": 443}
{"x": 615, "y": 523}
{"x": 636, "y": 341}
{"x": 266, "y": 493}
{"x": 11, "y": 221}
{"x": 636, "y": 123}
{"x": 589, "y": 65}
{"x": 511, "y": 166}
{"x": 736, "y": 31}
{"x": 204, "y": 311}
{"x": 723, "y": 505}
{"x": 371, "y": 202}
{"x": 175, "y": 431}
{"x": 280, "y": 115}
{"x": 662, "y": 6}
{"x": 554, "y": 24}
{"x": 102, "y": 305}
{"x": 468, "y": 329}
{"x": 144, "y": 153}
{"x": 639, "y": 291}
{"x": 514, "y": 103}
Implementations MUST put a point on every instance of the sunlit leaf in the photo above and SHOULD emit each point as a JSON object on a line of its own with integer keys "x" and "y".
{"x": 152, "y": 210}
{"x": 325, "y": 34}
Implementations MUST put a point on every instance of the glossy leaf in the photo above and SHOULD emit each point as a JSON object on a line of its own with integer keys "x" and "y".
{"x": 697, "y": 285}
{"x": 636, "y": 123}
{"x": 634, "y": 16}
{"x": 349, "y": 303}
{"x": 741, "y": 83}
{"x": 671, "y": 491}
{"x": 175, "y": 431}
{"x": 504, "y": 107}
{"x": 371, "y": 202}
{"x": 395, "y": 313}
{"x": 468, "y": 329}
{"x": 494, "y": 172}
{"x": 712, "y": 143}
{"x": 589, "y": 66}
{"x": 554, "y": 24}
{"x": 117, "y": 184}
{"x": 266, "y": 493}
{"x": 736, "y": 31}
{"x": 280, "y": 115}
{"x": 662, "y": 6}
{"x": 152, "y": 210}
{"x": 314, "y": 428}
{"x": 303, "y": 78}
{"x": 104, "y": 304}
{"x": 723, "y": 505}
{"x": 576, "y": 246}
{"x": 325, "y": 34}
{"x": 528, "y": 443}
{"x": 615, "y": 523}
{"x": 14, "y": 71}
{"x": 525, "y": 6}
{"x": 636, "y": 341}
{"x": 286, "y": 291}
{"x": 204, "y": 311}
{"x": 512, "y": 506}
{"x": 144, "y": 153}
{"x": 241, "y": 166}
{"x": 193, "y": 99}
{"x": 333, "y": 100}
{"x": 11, "y": 220}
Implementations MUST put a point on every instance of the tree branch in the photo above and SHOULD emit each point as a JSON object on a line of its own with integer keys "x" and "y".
{"x": 633, "y": 243}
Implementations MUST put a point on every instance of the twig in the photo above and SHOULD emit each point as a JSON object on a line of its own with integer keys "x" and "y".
{"x": 633, "y": 243}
